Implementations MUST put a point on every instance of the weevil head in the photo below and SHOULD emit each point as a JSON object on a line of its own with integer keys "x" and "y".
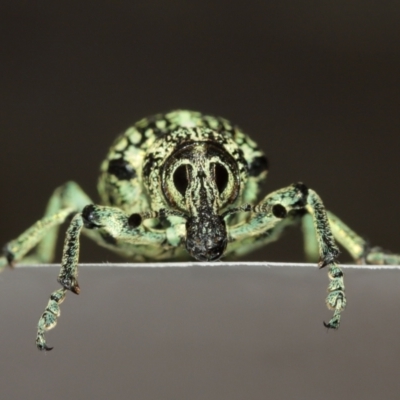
{"x": 200, "y": 179}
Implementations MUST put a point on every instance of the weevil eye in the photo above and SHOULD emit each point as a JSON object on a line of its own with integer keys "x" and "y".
{"x": 181, "y": 180}
{"x": 221, "y": 177}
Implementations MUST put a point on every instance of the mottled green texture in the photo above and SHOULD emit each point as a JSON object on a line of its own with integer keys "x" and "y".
{"x": 184, "y": 185}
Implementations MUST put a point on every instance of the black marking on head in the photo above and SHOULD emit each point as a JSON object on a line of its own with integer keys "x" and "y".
{"x": 258, "y": 165}
{"x": 122, "y": 169}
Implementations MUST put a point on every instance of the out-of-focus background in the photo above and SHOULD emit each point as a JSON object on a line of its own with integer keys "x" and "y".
{"x": 315, "y": 83}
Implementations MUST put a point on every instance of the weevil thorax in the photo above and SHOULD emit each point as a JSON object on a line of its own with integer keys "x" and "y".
{"x": 197, "y": 175}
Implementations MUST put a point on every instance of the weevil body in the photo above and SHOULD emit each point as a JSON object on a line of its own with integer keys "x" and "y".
{"x": 184, "y": 185}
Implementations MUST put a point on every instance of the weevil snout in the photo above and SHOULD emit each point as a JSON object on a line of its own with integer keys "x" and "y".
{"x": 206, "y": 237}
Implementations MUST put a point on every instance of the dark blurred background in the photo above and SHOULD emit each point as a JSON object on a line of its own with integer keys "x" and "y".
{"x": 316, "y": 83}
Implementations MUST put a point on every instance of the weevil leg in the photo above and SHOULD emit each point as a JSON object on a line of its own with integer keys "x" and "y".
{"x": 48, "y": 320}
{"x": 67, "y": 278}
{"x": 280, "y": 209}
{"x": 103, "y": 221}
{"x": 336, "y": 299}
{"x": 66, "y": 200}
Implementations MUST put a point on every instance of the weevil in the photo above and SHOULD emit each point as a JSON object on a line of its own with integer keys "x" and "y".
{"x": 184, "y": 185}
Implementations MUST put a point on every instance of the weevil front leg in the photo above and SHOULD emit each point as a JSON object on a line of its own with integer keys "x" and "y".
{"x": 48, "y": 320}
{"x": 282, "y": 208}
{"x": 107, "y": 221}
{"x": 66, "y": 200}
{"x": 67, "y": 278}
